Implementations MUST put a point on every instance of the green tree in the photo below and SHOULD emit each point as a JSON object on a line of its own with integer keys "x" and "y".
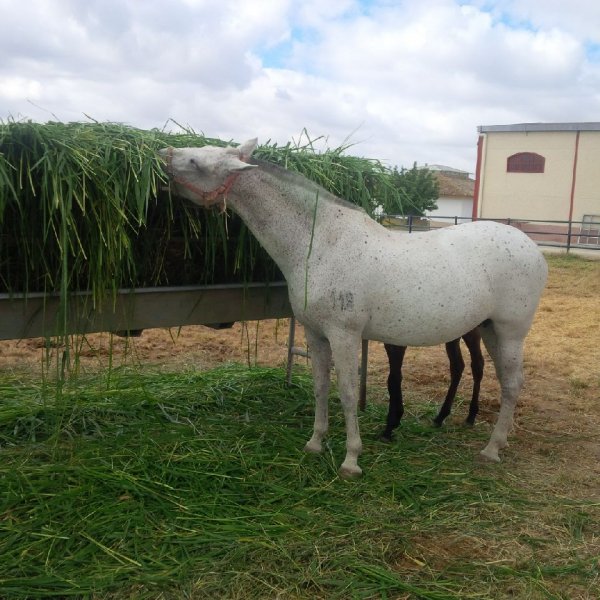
{"x": 419, "y": 192}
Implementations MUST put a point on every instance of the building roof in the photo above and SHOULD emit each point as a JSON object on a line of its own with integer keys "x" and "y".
{"x": 451, "y": 186}
{"x": 590, "y": 126}
{"x": 452, "y": 183}
{"x": 444, "y": 169}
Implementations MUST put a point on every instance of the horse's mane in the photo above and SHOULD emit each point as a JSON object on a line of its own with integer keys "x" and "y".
{"x": 299, "y": 179}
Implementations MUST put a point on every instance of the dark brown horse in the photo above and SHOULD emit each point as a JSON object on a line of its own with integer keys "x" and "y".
{"x": 457, "y": 365}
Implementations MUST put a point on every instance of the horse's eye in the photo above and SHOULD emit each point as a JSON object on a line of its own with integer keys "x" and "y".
{"x": 197, "y": 167}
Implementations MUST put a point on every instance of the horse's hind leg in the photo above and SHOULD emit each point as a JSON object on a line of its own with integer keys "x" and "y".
{"x": 320, "y": 352}
{"x": 473, "y": 341}
{"x": 457, "y": 366}
{"x": 507, "y": 354}
{"x": 395, "y": 356}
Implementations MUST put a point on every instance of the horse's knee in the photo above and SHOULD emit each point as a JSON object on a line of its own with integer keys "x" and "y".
{"x": 511, "y": 390}
{"x": 459, "y": 368}
{"x": 477, "y": 366}
{"x": 394, "y": 385}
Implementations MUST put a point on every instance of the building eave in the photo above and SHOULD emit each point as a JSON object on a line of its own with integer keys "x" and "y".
{"x": 531, "y": 127}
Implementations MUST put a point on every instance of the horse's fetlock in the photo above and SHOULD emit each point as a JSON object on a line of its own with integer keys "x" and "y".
{"x": 489, "y": 454}
{"x": 313, "y": 447}
{"x": 349, "y": 471}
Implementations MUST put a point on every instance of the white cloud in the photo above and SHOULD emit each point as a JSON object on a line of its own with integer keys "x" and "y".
{"x": 579, "y": 17}
{"x": 414, "y": 79}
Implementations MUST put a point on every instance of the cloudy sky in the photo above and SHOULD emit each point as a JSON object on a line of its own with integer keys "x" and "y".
{"x": 404, "y": 81}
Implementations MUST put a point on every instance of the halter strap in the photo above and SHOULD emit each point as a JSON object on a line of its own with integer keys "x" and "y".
{"x": 215, "y": 197}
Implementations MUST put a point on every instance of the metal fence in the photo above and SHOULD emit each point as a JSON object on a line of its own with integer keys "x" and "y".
{"x": 583, "y": 234}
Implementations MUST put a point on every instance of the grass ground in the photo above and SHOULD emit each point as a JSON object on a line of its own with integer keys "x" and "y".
{"x": 164, "y": 481}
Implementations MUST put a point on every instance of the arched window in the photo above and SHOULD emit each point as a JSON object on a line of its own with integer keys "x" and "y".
{"x": 525, "y": 162}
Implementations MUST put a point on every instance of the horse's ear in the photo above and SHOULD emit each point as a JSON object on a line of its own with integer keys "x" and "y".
{"x": 247, "y": 148}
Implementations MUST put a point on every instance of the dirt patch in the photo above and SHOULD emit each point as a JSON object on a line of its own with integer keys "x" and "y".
{"x": 558, "y": 417}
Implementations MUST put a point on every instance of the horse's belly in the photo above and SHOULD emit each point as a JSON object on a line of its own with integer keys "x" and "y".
{"x": 428, "y": 319}
{"x": 403, "y": 331}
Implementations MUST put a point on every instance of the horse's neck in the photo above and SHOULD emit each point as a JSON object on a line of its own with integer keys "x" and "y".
{"x": 280, "y": 213}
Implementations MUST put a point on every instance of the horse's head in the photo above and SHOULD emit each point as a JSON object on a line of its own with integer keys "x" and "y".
{"x": 204, "y": 175}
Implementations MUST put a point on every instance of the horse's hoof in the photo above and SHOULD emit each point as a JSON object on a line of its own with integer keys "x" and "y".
{"x": 437, "y": 423}
{"x": 350, "y": 472}
{"x": 489, "y": 455}
{"x": 469, "y": 423}
{"x": 386, "y": 437}
{"x": 313, "y": 448}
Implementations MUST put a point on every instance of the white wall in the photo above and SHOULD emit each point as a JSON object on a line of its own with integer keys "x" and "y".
{"x": 452, "y": 207}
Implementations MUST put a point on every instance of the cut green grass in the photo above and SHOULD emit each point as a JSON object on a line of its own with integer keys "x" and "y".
{"x": 85, "y": 206}
{"x": 194, "y": 485}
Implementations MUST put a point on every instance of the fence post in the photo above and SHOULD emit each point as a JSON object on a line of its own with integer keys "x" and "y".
{"x": 569, "y": 235}
{"x": 456, "y": 220}
{"x": 410, "y": 223}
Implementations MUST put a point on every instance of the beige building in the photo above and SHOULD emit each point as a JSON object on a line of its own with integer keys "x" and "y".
{"x": 538, "y": 171}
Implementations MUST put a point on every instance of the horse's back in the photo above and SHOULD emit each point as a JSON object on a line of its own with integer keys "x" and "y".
{"x": 498, "y": 250}
{"x": 445, "y": 282}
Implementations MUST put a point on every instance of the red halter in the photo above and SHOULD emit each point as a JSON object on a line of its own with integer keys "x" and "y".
{"x": 215, "y": 197}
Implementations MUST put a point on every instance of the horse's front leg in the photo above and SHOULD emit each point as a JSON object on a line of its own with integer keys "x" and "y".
{"x": 345, "y": 347}
{"x": 320, "y": 352}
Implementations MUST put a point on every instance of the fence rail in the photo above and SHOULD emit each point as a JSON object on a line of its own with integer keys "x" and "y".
{"x": 583, "y": 234}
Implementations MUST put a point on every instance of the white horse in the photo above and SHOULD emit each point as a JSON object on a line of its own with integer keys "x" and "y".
{"x": 349, "y": 278}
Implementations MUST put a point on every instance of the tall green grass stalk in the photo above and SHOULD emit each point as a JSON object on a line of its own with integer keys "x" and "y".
{"x": 310, "y": 246}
